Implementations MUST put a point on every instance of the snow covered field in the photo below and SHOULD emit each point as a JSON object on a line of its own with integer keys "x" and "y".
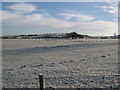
{"x": 75, "y": 64}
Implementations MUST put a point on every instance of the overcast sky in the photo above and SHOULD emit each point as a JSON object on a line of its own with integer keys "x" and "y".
{"x": 92, "y": 18}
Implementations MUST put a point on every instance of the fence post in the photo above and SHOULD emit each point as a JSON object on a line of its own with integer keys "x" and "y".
{"x": 41, "y": 82}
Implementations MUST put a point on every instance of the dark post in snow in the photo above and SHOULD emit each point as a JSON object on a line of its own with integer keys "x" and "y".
{"x": 41, "y": 82}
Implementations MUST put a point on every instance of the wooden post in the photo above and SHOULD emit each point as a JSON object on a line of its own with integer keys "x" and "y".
{"x": 41, "y": 82}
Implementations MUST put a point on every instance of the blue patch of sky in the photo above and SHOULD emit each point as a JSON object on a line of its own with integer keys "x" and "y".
{"x": 55, "y": 8}
{"x": 82, "y": 7}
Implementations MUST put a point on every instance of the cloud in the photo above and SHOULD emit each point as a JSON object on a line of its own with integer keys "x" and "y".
{"x": 39, "y": 22}
{"x": 6, "y": 14}
{"x": 34, "y": 20}
{"x": 78, "y": 17}
{"x": 0, "y": 16}
{"x": 23, "y": 7}
{"x": 99, "y": 27}
{"x": 41, "y": 10}
{"x": 110, "y": 9}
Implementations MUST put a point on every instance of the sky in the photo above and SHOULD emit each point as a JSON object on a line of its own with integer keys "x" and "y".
{"x": 91, "y": 18}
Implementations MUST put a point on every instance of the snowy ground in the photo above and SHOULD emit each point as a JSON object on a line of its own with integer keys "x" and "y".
{"x": 74, "y": 64}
